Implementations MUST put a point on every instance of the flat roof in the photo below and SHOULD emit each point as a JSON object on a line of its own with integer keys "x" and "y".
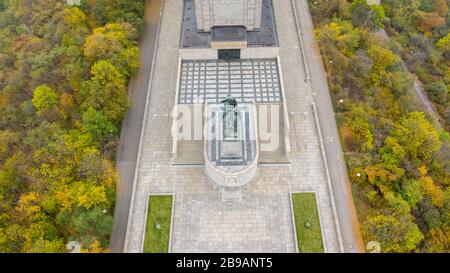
{"x": 228, "y": 34}
{"x": 192, "y": 38}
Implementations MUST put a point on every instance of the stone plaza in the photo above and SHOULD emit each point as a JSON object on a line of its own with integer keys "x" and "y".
{"x": 261, "y": 220}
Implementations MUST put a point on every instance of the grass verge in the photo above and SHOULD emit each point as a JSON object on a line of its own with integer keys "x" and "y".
{"x": 309, "y": 236}
{"x": 159, "y": 213}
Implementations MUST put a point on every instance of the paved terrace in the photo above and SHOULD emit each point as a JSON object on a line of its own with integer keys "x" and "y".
{"x": 213, "y": 80}
{"x": 262, "y": 221}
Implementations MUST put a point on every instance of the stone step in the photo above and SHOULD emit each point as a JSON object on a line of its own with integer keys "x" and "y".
{"x": 190, "y": 152}
{"x": 231, "y": 195}
{"x": 273, "y": 159}
{"x": 277, "y": 156}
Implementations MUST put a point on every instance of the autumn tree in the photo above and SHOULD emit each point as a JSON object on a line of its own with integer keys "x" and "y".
{"x": 106, "y": 92}
{"x": 444, "y": 43}
{"x": 395, "y": 233}
{"x": 62, "y": 98}
{"x": 357, "y": 121}
{"x": 76, "y": 23}
{"x": 412, "y": 191}
{"x": 383, "y": 59}
{"x": 430, "y": 188}
{"x": 417, "y": 136}
{"x": 366, "y": 15}
{"x": 44, "y": 99}
{"x": 114, "y": 43}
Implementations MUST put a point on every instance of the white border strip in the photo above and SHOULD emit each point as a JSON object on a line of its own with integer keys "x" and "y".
{"x": 300, "y": 39}
{"x": 322, "y": 234}
{"x": 174, "y": 130}
{"x": 144, "y": 119}
{"x": 171, "y": 219}
{"x": 287, "y": 125}
{"x": 330, "y": 189}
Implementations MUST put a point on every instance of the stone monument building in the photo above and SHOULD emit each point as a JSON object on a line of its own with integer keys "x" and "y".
{"x": 229, "y": 52}
{"x": 219, "y": 13}
{"x": 228, "y": 24}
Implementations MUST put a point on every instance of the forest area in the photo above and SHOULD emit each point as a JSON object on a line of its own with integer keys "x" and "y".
{"x": 64, "y": 71}
{"x": 398, "y": 161}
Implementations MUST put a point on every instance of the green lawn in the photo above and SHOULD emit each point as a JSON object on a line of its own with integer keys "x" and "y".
{"x": 159, "y": 209}
{"x": 305, "y": 210}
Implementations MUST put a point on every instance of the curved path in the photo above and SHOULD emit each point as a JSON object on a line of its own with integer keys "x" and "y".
{"x": 417, "y": 91}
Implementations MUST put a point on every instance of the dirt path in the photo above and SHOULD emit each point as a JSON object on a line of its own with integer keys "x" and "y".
{"x": 417, "y": 91}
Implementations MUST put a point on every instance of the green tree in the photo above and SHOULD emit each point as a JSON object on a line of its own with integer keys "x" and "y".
{"x": 87, "y": 225}
{"x": 383, "y": 59}
{"x": 2, "y": 5}
{"x": 392, "y": 153}
{"x": 417, "y": 136}
{"x": 397, "y": 203}
{"x": 9, "y": 140}
{"x": 357, "y": 121}
{"x": 106, "y": 92}
{"x": 42, "y": 237}
{"x": 97, "y": 124}
{"x": 412, "y": 192}
{"x": 114, "y": 43}
{"x": 365, "y": 15}
{"x": 44, "y": 98}
{"x": 76, "y": 22}
{"x": 444, "y": 43}
{"x": 117, "y": 11}
{"x": 395, "y": 234}
{"x": 437, "y": 91}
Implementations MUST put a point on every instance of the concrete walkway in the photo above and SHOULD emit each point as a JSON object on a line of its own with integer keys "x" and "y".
{"x": 348, "y": 220}
{"x": 262, "y": 221}
{"x": 132, "y": 126}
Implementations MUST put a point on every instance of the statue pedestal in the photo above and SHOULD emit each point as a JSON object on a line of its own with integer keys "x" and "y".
{"x": 231, "y": 154}
{"x": 230, "y": 194}
{"x": 231, "y": 149}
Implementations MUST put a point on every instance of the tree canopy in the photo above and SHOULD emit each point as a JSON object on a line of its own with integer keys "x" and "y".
{"x": 63, "y": 94}
{"x": 397, "y": 159}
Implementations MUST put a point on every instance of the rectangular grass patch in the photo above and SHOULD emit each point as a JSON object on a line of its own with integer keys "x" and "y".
{"x": 307, "y": 223}
{"x": 157, "y": 232}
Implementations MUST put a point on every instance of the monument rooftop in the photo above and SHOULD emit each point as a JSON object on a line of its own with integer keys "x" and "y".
{"x": 192, "y": 37}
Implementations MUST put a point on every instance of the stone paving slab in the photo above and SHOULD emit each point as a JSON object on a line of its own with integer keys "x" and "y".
{"x": 213, "y": 80}
{"x": 211, "y": 225}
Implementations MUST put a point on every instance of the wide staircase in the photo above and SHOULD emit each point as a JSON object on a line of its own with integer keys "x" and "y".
{"x": 190, "y": 152}
{"x": 276, "y": 156}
